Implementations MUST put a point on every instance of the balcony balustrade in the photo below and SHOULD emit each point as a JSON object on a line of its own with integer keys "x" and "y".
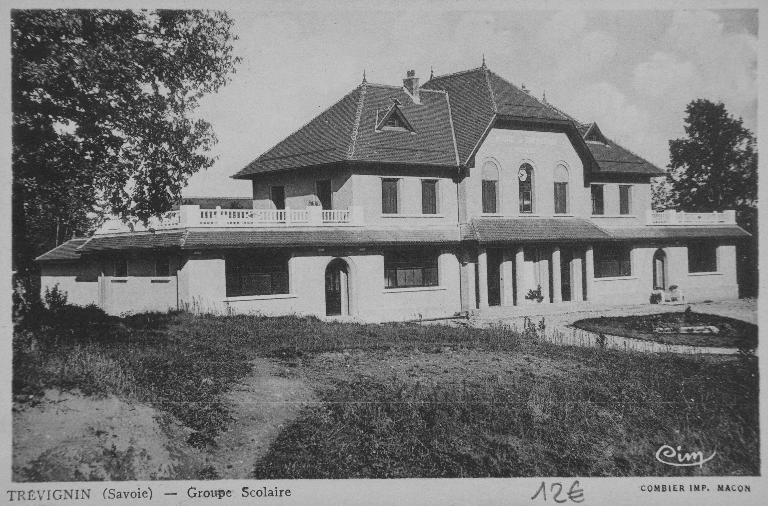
{"x": 679, "y": 218}
{"x": 191, "y": 216}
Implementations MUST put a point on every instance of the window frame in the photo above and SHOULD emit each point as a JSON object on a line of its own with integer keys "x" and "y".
{"x": 696, "y": 258}
{"x": 528, "y": 181}
{"x": 628, "y": 188}
{"x": 115, "y": 270}
{"x": 436, "y": 193}
{"x": 400, "y": 264}
{"x": 167, "y": 262}
{"x": 565, "y": 197}
{"x": 396, "y": 182}
{"x": 268, "y": 263}
{"x": 485, "y": 205}
{"x": 592, "y": 188}
{"x": 623, "y": 265}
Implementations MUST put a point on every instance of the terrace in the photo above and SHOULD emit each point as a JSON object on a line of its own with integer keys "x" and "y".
{"x": 192, "y": 216}
{"x": 672, "y": 217}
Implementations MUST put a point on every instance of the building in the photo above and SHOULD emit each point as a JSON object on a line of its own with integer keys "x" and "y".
{"x": 415, "y": 201}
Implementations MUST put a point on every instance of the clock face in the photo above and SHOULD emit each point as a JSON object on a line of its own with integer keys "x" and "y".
{"x": 522, "y": 174}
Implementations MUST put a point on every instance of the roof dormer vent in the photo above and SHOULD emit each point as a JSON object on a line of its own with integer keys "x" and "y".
{"x": 411, "y": 85}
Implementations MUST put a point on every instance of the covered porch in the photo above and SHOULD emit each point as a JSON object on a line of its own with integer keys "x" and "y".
{"x": 519, "y": 262}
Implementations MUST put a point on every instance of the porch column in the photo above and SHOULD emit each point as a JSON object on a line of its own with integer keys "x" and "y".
{"x": 482, "y": 278}
{"x": 468, "y": 283}
{"x": 557, "y": 291}
{"x": 577, "y": 292}
{"x": 519, "y": 270}
{"x": 589, "y": 265}
{"x": 507, "y": 287}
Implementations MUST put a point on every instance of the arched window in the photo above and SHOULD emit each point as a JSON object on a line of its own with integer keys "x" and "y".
{"x": 490, "y": 188}
{"x": 525, "y": 182}
{"x": 561, "y": 190}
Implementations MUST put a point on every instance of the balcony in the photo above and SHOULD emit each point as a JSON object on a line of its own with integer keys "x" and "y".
{"x": 679, "y": 218}
{"x": 191, "y": 216}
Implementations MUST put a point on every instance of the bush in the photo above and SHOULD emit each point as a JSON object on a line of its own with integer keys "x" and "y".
{"x": 655, "y": 298}
{"x": 55, "y": 298}
{"x": 535, "y": 294}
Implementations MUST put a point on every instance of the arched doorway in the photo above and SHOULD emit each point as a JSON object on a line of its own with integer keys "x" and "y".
{"x": 337, "y": 288}
{"x": 659, "y": 270}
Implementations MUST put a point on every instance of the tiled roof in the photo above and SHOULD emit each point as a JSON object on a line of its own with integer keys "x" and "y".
{"x": 134, "y": 241}
{"x": 63, "y": 252}
{"x": 504, "y": 230}
{"x": 678, "y": 232}
{"x": 615, "y": 159}
{"x": 347, "y": 131}
{"x": 443, "y": 133}
{"x": 317, "y": 237}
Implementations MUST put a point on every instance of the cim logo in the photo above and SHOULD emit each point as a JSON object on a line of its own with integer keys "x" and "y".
{"x": 675, "y": 457}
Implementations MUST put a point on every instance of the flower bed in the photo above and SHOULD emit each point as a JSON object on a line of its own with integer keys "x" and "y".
{"x": 732, "y": 333}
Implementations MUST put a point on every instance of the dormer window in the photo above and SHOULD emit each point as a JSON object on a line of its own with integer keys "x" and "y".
{"x": 394, "y": 121}
{"x": 593, "y": 134}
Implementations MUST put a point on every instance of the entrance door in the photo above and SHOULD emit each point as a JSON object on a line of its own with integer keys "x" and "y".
{"x": 659, "y": 270}
{"x": 336, "y": 288}
{"x": 494, "y": 277}
{"x": 566, "y": 256}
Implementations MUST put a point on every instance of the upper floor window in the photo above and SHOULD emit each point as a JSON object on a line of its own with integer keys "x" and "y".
{"x": 561, "y": 190}
{"x": 490, "y": 188}
{"x": 429, "y": 196}
{"x": 598, "y": 204}
{"x": 263, "y": 273}
{"x": 277, "y": 195}
{"x": 702, "y": 257}
{"x": 525, "y": 183}
{"x": 403, "y": 269}
{"x": 625, "y": 199}
{"x": 612, "y": 260}
{"x": 389, "y": 196}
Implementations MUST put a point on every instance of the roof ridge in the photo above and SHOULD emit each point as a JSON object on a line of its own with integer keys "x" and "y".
{"x": 455, "y": 73}
{"x": 356, "y": 124}
{"x": 313, "y": 118}
{"x": 385, "y": 86}
{"x": 453, "y": 132}
{"x": 486, "y": 71}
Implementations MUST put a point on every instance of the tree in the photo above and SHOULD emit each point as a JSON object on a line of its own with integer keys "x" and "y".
{"x": 715, "y": 167}
{"x": 102, "y": 115}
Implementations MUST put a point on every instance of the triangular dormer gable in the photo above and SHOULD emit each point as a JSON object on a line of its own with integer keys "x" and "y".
{"x": 593, "y": 134}
{"x": 394, "y": 120}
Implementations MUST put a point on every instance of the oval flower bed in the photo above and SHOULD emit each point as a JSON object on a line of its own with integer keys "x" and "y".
{"x": 732, "y": 333}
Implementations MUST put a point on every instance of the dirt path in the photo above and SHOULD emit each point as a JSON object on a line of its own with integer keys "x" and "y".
{"x": 261, "y": 405}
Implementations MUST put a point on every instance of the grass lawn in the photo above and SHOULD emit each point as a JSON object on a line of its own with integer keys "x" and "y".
{"x": 404, "y": 400}
{"x": 733, "y": 333}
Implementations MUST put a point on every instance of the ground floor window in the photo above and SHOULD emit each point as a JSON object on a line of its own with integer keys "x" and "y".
{"x": 702, "y": 257}
{"x": 256, "y": 273}
{"x": 404, "y": 269}
{"x": 612, "y": 260}
{"x": 162, "y": 266}
{"x": 120, "y": 267}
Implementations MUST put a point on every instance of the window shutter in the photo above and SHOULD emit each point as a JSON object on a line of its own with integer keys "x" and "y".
{"x": 429, "y": 197}
{"x": 389, "y": 196}
{"x": 561, "y": 198}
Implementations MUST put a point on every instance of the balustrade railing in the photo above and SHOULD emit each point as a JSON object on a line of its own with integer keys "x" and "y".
{"x": 193, "y": 216}
{"x": 671, "y": 217}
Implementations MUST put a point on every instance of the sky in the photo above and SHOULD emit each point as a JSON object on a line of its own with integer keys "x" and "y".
{"x": 633, "y": 72}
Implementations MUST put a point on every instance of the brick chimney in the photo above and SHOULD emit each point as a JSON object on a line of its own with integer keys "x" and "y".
{"x": 411, "y": 84}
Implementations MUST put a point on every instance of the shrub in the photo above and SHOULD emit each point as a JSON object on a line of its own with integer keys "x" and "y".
{"x": 55, "y": 298}
{"x": 535, "y": 294}
{"x": 655, "y": 298}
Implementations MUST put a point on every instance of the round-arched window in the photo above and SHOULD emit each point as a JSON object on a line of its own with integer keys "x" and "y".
{"x": 490, "y": 187}
{"x": 561, "y": 189}
{"x": 525, "y": 184}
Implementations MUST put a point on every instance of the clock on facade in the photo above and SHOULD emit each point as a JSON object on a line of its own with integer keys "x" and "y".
{"x": 522, "y": 174}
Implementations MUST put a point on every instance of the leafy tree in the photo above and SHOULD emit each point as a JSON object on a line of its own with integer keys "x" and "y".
{"x": 715, "y": 167}
{"x": 102, "y": 115}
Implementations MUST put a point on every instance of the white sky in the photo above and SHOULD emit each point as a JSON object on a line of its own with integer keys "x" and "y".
{"x": 631, "y": 71}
